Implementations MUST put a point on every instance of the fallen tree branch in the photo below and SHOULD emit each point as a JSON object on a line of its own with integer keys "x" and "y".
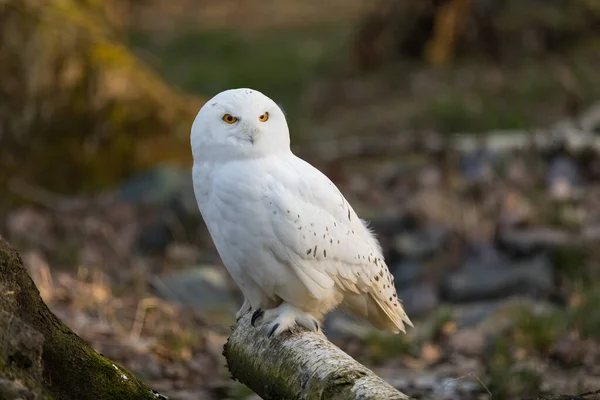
{"x": 39, "y": 354}
{"x": 300, "y": 365}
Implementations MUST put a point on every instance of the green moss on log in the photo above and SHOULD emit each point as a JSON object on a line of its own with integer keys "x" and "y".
{"x": 69, "y": 368}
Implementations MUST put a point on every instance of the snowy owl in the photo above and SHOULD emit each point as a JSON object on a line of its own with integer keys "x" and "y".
{"x": 283, "y": 230}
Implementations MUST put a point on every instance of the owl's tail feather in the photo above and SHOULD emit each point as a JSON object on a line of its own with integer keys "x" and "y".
{"x": 384, "y": 315}
{"x": 381, "y": 314}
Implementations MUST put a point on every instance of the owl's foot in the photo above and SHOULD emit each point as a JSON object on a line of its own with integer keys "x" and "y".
{"x": 284, "y": 318}
{"x": 256, "y": 315}
{"x": 246, "y": 308}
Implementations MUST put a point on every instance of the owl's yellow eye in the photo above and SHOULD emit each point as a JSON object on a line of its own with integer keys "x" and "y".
{"x": 230, "y": 119}
{"x": 264, "y": 117}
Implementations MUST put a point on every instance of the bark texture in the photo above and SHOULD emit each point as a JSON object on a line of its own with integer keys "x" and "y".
{"x": 42, "y": 356}
{"x": 300, "y": 365}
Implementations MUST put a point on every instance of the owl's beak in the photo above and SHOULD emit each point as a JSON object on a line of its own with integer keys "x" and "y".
{"x": 250, "y": 133}
{"x": 254, "y": 133}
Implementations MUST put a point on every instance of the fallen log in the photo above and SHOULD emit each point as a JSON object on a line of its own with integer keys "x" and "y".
{"x": 41, "y": 356}
{"x": 300, "y": 365}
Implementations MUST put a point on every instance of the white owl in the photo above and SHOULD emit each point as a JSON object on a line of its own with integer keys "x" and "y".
{"x": 285, "y": 233}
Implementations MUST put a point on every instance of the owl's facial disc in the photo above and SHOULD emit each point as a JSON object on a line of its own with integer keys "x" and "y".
{"x": 249, "y": 127}
{"x": 239, "y": 123}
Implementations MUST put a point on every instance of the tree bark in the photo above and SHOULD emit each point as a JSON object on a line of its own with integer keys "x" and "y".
{"x": 39, "y": 354}
{"x": 299, "y": 365}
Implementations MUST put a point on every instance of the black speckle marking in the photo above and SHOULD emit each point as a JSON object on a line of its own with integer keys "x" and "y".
{"x": 323, "y": 236}
{"x": 324, "y": 253}
{"x": 334, "y": 223}
{"x": 349, "y": 217}
{"x": 315, "y": 251}
{"x": 312, "y": 225}
{"x": 376, "y": 278}
{"x": 369, "y": 258}
{"x": 330, "y": 241}
{"x": 270, "y": 202}
{"x": 308, "y": 251}
{"x": 288, "y": 211}
{"x": 299, "y": 228}
{"x": 274, "y": 212}
{"x": 315, "y": 233}
{"x": 214, "y": 104}
{"x": 395, "y": 295}
{"x": 298, "y": 215}
{"x": 390, "y": 299}
{"x": 338, "y": 241}
{"x": 381, "y": 274}
{"x": 327, "y": 229}
{"x": 358, "y": 273}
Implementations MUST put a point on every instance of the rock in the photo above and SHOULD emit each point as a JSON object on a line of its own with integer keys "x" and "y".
{"x": 147, "y": 367}
{"x": 492, "y": 318}
{"x": 339, "y": 325}
{"x": 206, "y": 288}
{"x": 469, "y": 342}
{"x": 527, "y": 242}
{"x": 179, "y": 254}
{"x": 489, "y": 274}
{"x": 563, "y": 178}
{"x": 179, "y": 218}
{"x": 590, "y": 119}
{"x": 197, "y": 394}
{"x": 470, "y": 315}
{"x": 420, "y": 299}
{"x": 515, "y": 209}
{"x": 155, "y": 187}
{"x": 570, "y": 351}
{"x": 477, "y": 166}
{"x": 406, "y": 272}
{"x": 421, "y": 243}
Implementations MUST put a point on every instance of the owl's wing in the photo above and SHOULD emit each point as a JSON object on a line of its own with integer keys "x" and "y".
{"x": 321, "y": 238}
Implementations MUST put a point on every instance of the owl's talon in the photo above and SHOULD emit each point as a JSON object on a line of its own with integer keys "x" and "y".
{"x": 256, "y": 315}
{"x": 273, "y": 329}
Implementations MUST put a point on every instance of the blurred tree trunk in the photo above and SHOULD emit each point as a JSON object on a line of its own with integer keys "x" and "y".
{"x": 438, "y": 30}
{"x": 78, "y": 110}
{"x": 41, "y": 357}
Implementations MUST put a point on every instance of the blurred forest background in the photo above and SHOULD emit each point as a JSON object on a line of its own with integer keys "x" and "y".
{"x": 466, "y": 131}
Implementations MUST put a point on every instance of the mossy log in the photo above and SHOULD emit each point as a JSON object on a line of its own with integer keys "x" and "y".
{"x": 300, "y": 365}
{"x": 42, "y": 356}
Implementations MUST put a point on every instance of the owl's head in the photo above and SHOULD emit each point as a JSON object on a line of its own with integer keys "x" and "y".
{"x": 237, "y": 124}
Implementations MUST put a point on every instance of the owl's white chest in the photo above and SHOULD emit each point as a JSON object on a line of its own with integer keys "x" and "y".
{"x": 235, "y": 200}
